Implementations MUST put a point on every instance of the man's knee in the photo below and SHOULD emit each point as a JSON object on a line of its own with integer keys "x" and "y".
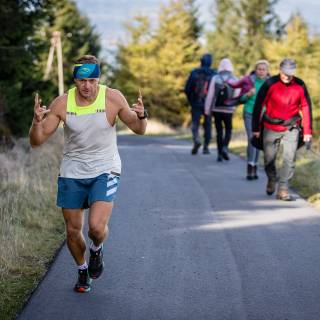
{"x": 98, "y": 230}
{"x": 73, "y": 233}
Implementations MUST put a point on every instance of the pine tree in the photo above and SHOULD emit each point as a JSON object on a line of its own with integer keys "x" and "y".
{"x": 259, "y": 22}
{"x": 24, "y": 51}
{"x": 159, "y": 61}
{"x": 239, "y": 29}
{"x": 17, "y": 24}
{"x": 224, "y": 40}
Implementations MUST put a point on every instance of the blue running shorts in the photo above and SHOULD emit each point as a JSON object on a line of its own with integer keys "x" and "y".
{"x": 81, "y": 193}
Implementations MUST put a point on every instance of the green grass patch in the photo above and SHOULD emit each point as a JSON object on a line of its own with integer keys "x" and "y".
{"x": 31, "y": 227}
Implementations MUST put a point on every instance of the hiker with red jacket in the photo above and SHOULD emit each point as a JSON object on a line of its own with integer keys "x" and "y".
{"x": 285, "y": 99}
{"x": 196, "y": 89}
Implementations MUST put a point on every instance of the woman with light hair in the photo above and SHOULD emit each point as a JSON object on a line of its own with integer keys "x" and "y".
{"x": 217, "y": 103}
{"x": 250, "y": 86}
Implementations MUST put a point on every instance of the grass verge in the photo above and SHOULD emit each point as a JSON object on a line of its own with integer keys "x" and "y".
{"x": 31, "y": 227}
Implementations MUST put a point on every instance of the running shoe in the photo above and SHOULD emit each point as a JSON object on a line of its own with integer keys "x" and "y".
{"x": 96, "y": 264}
{"x": 83, "y": 284}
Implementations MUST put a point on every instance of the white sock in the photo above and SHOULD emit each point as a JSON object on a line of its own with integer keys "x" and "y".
{"x": 94, "y": 248}
{"x": 83, "y": 266}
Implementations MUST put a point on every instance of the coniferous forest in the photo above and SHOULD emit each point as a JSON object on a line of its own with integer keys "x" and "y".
{"x": 156, "y": 57}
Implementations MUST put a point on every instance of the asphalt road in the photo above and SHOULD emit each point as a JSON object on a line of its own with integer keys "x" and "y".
{"x": 192, "y": 239}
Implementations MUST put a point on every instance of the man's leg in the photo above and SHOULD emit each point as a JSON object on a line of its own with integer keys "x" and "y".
{"x": 271, "y": 143}
{"x": 207, "y": 133}
{"x": 99, "y": 215}
{"x": 290, "y": 144}
{"x": 74, "y": 223}
{"x": 196, "y": 115}
{"x": 77, "y": 246}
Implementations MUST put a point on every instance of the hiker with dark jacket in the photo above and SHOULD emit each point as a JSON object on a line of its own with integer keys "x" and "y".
{"x": 222, "y": 111}
{"x": 284, "y": 98}
{"x": 250, "y": 86}
{"x": 196, "y": 89}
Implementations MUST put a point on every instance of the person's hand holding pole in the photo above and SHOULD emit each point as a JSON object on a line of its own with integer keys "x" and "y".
{"x": 256, "y": 134}
{"x": 39, "y": 111}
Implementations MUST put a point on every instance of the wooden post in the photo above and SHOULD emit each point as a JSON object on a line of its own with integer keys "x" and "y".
{"x": 55, "y": 44}
{"x": 60, "y": 63}
{"x": 50, "y": 60}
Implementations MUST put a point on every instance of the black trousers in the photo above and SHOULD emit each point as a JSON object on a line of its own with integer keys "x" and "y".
{"x": 196, "y": 117}
{"x": 223, "y": 124}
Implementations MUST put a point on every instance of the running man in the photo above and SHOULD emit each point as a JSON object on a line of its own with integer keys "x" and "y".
{"x": 91, "y": 166}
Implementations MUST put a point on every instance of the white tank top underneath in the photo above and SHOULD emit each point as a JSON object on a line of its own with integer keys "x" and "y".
{"x": 90, "y": 142}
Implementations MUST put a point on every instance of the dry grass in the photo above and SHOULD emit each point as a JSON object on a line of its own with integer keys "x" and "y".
{"x": 31, "y": 227}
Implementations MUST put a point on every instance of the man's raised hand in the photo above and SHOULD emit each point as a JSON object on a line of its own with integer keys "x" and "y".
{"x": 39, "y": 111}
{"x": 138, "y": 107}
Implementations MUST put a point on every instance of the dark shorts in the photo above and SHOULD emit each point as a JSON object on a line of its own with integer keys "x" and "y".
{"x": 81, "y": 193}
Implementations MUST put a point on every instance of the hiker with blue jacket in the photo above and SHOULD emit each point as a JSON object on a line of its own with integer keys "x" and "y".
{"x": 196, "y": 89}
{"x": 219, "y": 103}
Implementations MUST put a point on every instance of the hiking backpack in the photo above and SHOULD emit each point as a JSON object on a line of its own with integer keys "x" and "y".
{"x": 223, "y": 92}
{"x": 201, "y": 86}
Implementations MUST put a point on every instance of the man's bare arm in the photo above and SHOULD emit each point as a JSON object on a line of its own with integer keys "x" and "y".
{"x": 130, "y": 116}
{"x": 45, "y": 121}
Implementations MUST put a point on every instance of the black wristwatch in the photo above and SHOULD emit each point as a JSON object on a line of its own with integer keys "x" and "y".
{"x": 145, "y": 115}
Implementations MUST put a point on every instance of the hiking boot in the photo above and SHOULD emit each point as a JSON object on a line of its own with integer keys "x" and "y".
{"x": 83, "y": 284}
{"x": 254, "y": 172}
{"x": 195, "y": 148}
{"x": 205, "y": 150}
{"x": 225, "y": 155}
{"x": 271, "y": 187}
{"x": 96, "y": 264}
{"x": 283, "y": 194}
{"x": 249, "y": 172}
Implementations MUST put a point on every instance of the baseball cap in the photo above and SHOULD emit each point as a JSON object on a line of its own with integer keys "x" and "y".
{"x": 288, "y": 66}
